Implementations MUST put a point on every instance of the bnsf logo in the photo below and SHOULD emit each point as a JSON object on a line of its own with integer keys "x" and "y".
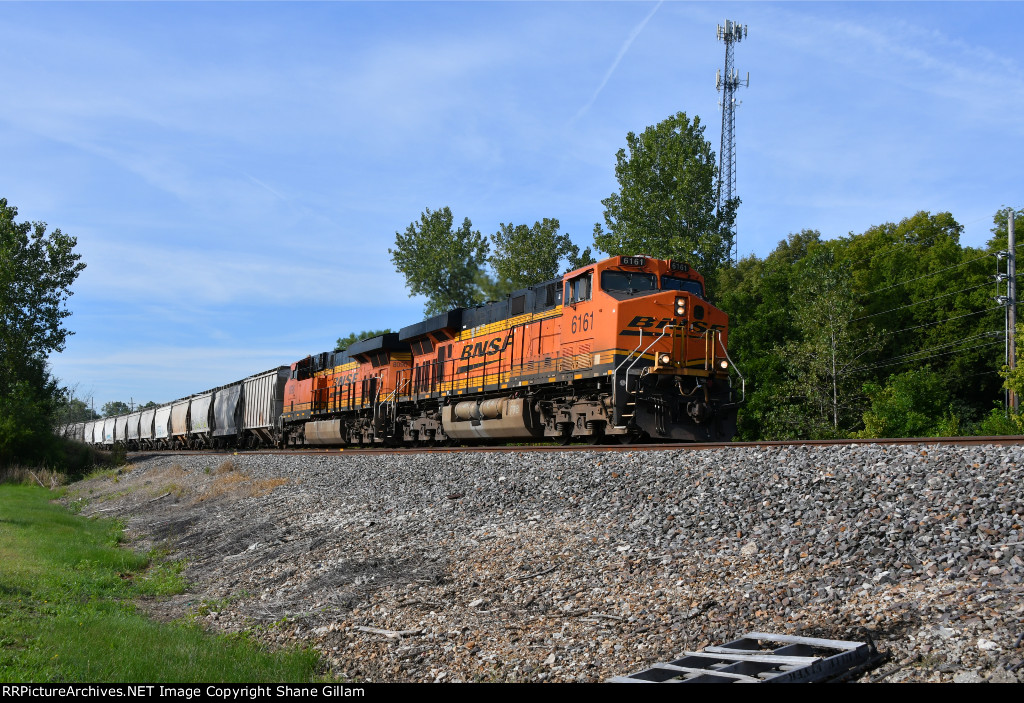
{"x": 485, "y": 348}
{"x": 646, "y": 322}
{"x": 652, "y": 322}
{"x": 346, "y": 378}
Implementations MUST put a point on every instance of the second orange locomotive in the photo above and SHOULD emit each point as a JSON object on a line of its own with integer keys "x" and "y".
{"x": 627, "y": 349}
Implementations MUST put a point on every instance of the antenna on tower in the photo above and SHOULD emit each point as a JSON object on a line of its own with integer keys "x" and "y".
{"x": 727, "y": 82}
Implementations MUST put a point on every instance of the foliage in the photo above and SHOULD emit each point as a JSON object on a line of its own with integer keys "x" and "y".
{"x": 27, "y": 405}
{"x": 441, "y": 262}
{"x": 666, "y": 206}
{"x": 913, "y": 403}
{"x": 1000, "y": 232}
{"x": 73, "y": 409}
{"x": 115, "y": 407}
{"x": 818, "y": 327}
{"x": 823, "y": 356}
{"x": 999, "y": 422}
{"x": 36, "y": 273}
{"x": 523, "y": 256}
{"x": 349, "y": 340}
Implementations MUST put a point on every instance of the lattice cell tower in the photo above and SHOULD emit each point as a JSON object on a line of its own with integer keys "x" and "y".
{"x": 727, "y": 82}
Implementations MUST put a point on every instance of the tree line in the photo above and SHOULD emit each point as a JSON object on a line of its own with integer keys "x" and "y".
{"x": 892, "y": 332}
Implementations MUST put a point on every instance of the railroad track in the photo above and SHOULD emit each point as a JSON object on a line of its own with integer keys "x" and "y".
{"x": 307, "y": 451}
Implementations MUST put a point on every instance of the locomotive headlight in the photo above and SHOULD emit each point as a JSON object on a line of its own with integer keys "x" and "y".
{"x": 680, "y": 307}
{"x": 664, "y": 359}
{"x": 723, "y": 365}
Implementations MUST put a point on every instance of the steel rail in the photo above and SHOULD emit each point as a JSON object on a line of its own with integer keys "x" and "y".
{"x": 341, "y": 451}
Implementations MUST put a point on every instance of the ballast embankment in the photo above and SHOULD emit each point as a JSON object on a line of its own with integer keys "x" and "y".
{"x": 582, "y": 566}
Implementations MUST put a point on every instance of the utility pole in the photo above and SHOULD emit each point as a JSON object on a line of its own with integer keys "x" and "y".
{"x": 727, "y": 83}
{"x": 1011, "y": 304}
{"x": 1009, "y": 301}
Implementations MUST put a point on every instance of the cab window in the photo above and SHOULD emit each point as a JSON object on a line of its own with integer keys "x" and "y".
{"x": 684, "y": 284}
{"x": 578, "y": 289}
{"x": 628, "y": 283}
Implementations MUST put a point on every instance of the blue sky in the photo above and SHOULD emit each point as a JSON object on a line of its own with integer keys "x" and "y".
{"x": 235, "y": 172}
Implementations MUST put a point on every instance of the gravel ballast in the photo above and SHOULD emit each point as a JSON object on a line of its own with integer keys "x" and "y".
{"x": 580, "y": 566}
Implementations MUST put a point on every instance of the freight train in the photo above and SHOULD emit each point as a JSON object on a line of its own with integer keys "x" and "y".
{"x": 627, "y": 349}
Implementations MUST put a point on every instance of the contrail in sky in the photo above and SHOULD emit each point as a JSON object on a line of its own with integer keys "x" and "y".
{"x": 622, "y": 52}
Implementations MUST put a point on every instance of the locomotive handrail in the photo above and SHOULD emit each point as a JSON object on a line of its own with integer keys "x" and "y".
{"x": 664, "y": 331}
{"x": 630, "y": 355}
{"x": 392, "y": 397}
{"x": 615, "y": 374}
{"x": 743, "y": 381}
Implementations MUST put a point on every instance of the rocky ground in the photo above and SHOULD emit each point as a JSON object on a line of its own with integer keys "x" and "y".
{"x": 582, "y": 566}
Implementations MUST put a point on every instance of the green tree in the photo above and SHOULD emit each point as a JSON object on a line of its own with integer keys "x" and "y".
{"x": 1000, "y": 234}
{"x": 911, "y": 404}
{"x": 441, "y": 262}
{"x": 115, "y": 407}
{"x": 36, "y": 273}
{"x": 349, "y": 340}
{"x": 74, "y": 410}
{"x": 913, "y": 296}
{"x": 523, "y": 256}
{"x": 824, "y": 359}
{"x": 27, "y": 412}
{"x": 666, "y": 206}
{"x": 756, "y": 295}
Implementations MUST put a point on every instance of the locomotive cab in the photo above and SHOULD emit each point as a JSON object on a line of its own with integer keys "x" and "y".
{"x": 660, "y": 340}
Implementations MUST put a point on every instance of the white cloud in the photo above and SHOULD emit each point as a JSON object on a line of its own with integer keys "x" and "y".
{"x": 201, "y": 277}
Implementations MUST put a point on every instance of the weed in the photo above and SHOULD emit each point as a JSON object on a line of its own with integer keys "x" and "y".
{"x": 45, "y": 478}
{"x": 163, "y": 579}
{"x": 118, "y": 455}
{"x": 211, "y": 605}
{"x": 240, "y": 484}
{"x": 100, "y": 473}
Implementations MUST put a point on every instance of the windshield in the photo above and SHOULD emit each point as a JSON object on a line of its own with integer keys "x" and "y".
{"x": 628, "y": 282}
{"x": 683, "y": 284}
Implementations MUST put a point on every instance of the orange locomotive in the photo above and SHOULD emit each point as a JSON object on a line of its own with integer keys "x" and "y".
{"x": 627, "y": 349}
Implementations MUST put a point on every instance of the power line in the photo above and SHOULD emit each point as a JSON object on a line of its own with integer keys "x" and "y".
{"x": 943, "y": 346}
{"x": 926, "y": 358}
{"x": 933, "y": 273}
{"x": 910, "y": 305}
{"x": 939, "y": 322}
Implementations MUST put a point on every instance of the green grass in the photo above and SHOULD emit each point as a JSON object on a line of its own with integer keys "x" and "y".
{"x": 67, "y": 613}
